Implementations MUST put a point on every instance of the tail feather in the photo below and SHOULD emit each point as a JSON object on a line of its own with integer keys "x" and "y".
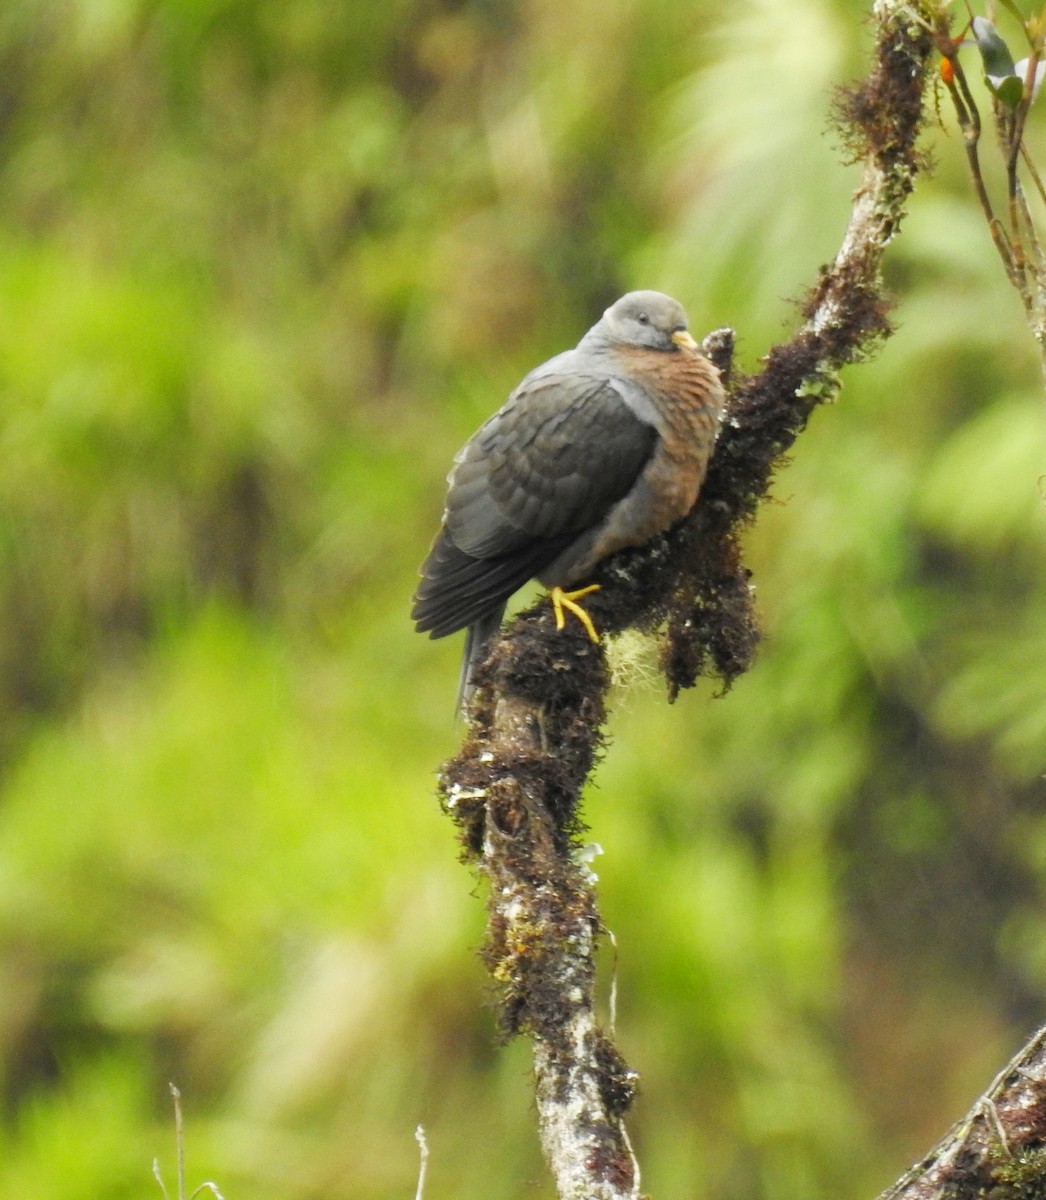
{"x": 477, "y": 638}
{"x": 457, "y": 590}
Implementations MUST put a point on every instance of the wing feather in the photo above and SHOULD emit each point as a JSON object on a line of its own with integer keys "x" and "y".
{"x": 546, "y": 468}
{"x": 554, "y": 459}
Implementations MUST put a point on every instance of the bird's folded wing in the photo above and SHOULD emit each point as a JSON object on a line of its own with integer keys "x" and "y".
{"x": 547, "y": 467}
{"x": 553, "y": 461}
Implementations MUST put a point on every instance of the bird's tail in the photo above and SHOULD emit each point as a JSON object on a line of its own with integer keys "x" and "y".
{"x": 477, "y": 637}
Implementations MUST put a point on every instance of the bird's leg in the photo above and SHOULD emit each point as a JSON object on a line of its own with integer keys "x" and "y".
{"x": 569, "y": 601}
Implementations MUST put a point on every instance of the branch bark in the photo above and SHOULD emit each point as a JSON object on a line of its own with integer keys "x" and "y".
{"x": 536, "y": 724}
{"x": 998, "y": 1149}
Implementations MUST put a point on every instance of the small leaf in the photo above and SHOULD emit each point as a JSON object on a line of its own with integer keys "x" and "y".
{"x": 995, "y": 54}
{"x": 1010, "y": 90}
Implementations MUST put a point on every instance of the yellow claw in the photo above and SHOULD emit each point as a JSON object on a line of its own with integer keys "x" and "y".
{"x": 568, "y": 600}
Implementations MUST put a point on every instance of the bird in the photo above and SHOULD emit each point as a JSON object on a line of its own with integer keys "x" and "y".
{"x": 599, "y": 449}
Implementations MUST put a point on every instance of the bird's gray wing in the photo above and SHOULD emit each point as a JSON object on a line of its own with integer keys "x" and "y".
{"x": 552, "y": 461}
{"x": 546, "y": 467}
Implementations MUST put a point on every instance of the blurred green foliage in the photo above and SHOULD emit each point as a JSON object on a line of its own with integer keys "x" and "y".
{"x": 263, "y": 267}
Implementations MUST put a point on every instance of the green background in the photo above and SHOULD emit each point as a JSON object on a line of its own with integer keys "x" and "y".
{"x": 263, "y": 268}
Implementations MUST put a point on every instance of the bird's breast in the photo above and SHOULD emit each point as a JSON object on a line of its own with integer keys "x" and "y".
{"x": 688, "y": 398}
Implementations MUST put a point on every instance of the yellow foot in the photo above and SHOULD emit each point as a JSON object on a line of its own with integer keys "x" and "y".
{"x": 569, "y": 601}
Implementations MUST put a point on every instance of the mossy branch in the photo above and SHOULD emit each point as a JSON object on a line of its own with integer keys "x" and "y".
{"x": 536, "y": 726}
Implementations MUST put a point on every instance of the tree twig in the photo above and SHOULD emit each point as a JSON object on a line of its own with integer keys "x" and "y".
{"x": 1018, "y": 245}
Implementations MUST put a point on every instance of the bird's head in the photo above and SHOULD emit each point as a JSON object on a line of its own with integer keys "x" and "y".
{"x": 649, "y": 319}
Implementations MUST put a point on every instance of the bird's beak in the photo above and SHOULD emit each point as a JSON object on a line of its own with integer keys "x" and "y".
{"x": 682, "y": 338}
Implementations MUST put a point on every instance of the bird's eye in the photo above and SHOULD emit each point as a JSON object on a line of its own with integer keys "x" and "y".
{"x": 643, "y": 319}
